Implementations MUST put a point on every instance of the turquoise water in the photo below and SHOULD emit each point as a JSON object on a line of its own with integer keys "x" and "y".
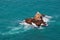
{"x": 13, "y": 11}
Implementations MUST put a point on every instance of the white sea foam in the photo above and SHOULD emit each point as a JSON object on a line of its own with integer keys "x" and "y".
{"x": 16, "y": 30}
{"x": 23, "y": 27}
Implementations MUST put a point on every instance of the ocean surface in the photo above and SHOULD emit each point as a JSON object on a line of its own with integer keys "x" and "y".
{"x": 12, "y": 12}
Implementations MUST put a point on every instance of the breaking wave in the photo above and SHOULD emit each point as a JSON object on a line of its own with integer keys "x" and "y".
{"x": 23, "y": 27}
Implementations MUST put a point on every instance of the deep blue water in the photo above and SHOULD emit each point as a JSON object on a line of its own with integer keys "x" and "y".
{"x": 12, "y": 11}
